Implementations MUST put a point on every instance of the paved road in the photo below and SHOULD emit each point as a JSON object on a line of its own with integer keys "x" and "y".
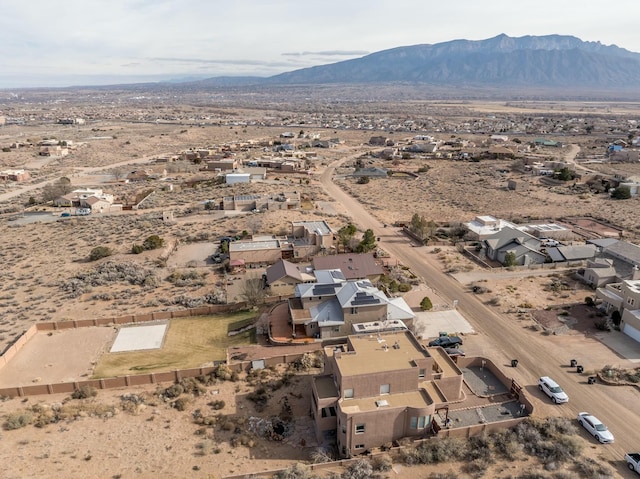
{"x": 503, "y": 338}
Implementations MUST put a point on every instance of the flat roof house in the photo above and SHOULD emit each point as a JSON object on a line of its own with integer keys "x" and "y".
{"x": 380, "y": 388}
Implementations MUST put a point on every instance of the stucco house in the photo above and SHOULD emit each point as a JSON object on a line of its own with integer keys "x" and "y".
{"x": 283, "y": 277}
{"x": 352, "y": 265}
{"x": 377, "y": 389}
{"x": 623, "y": 297}
{"x": 524, "y": 246}
{"x": 329, "y": 310}
{"x": 598, "y": 272}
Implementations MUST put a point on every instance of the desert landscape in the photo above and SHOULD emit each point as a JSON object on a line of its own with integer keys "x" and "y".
{"x": 216, "y": 429}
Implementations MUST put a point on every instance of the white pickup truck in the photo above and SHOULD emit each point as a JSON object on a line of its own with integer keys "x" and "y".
{"x": 633, "y": 461}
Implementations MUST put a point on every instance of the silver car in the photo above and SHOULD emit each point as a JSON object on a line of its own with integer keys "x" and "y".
{"x": 595, "y": 427}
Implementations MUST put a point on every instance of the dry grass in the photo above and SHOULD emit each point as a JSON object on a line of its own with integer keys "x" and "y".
{"x": 189, "y": 343}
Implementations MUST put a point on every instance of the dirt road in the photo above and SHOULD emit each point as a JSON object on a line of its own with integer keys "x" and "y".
{"x": 503, "y": 338}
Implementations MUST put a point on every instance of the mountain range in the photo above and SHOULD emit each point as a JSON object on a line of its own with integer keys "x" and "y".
{"x": 550, "y": 61}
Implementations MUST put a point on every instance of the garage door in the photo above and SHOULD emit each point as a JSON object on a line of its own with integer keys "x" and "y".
{"x": 632, "y": 332}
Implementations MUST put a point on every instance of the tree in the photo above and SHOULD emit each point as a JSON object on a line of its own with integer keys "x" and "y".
{"x": 426, "y": 304}
{"x": 418, "y": 225}
{"x": 345, "y": 234}
{"x": 56, "y": 189}
{"x": 363, "y": 180}
{"x": 368, "y": 242}
{"x": 510, "y": 259}
{"x": 564, "y": 174}
{"x": 153, "y": 242}
{"x": 99, "y": 252}
{"x": 253, "y": 291}
{"x": 117, "y": 173}
{"x": 621, "y": 193}
{"x": 616, "y": 317}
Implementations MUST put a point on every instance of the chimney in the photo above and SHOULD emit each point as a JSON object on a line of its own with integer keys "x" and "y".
{"x": 636, "y": 272}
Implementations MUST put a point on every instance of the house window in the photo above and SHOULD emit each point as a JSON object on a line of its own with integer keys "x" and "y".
{"x": 344, "y": 429}
{"x": 354, "y": 310}
{"x": 359, "y": 446}
{"x": 418, "y": 422}
{"x": 348, "y": 393}
{"x": 385, "y": 389}
{"x": 336, "y": 329}
{"x": 631, "y": 301}
{"x": 422, "y": 373}
{"x": 360, "y": 428}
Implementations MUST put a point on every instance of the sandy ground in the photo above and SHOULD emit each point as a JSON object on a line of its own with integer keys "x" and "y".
{"x": 44, "y": 262}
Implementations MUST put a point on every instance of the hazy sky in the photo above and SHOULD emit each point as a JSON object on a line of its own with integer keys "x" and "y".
{"x": 71, "y": 42}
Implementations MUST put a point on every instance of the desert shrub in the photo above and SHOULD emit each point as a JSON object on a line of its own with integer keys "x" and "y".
{"x": 17, "y": 420}
{"x": 187, "y": 278}
{"x": 181, "y": 403}
{"x": 153, "y": 242}
{"x": 360, "y": 469}
{"x": 404, "y": 287}
{"x": 589, "y": 301}
{"x": 217, "y": 404}
{"x": 84, "y": 392}
{"x": 621, "y": 193}
{"x": 304, "y": 363}
{"x": 381, "y": 463}
{"x": 506, "y": 444}
{"x": 477, "y": 467}
{"x": 111, "y": 272}
{"x": 222, "y": 371}
{"x": 433, "y": 452}
{"x": 426, "y": 304}
{"x": 173, "y": 391}
{"x": 260, "y": 398}
{"x": 99, "y": 252}
{"x": 137, "y": 248}
{"x": 192, "y": 386}
{"x": 297, "y": 471}
{"x": 588, "y": 468}
{"x": 478, "y": 447}
{"x": 602, "y": 325}
{"x": 321, "y": 455}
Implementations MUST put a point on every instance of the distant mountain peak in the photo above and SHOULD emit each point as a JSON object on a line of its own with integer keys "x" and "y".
{"x": 534, "y": 61}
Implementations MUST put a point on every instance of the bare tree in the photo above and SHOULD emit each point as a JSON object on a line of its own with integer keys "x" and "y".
{"x": 117, "y": 173}
{"x": 253, "y": 291}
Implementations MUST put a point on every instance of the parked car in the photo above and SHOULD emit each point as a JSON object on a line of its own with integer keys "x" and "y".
{"x": 633, "y": 461}
{"x": 446, "y": 342}
{"x": 595, "y": 427}
{"x": 552, "y": 389}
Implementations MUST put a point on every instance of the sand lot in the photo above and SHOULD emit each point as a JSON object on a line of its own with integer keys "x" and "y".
{"x": 60, "y": 356}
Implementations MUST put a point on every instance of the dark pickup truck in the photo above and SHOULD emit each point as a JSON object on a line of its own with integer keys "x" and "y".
{"x": 446, "y": 342}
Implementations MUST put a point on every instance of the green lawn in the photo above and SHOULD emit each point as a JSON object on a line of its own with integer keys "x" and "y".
{"x": 188, "y": 343}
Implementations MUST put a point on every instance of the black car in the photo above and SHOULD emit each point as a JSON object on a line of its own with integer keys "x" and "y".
{"x": 446, "y": 342}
